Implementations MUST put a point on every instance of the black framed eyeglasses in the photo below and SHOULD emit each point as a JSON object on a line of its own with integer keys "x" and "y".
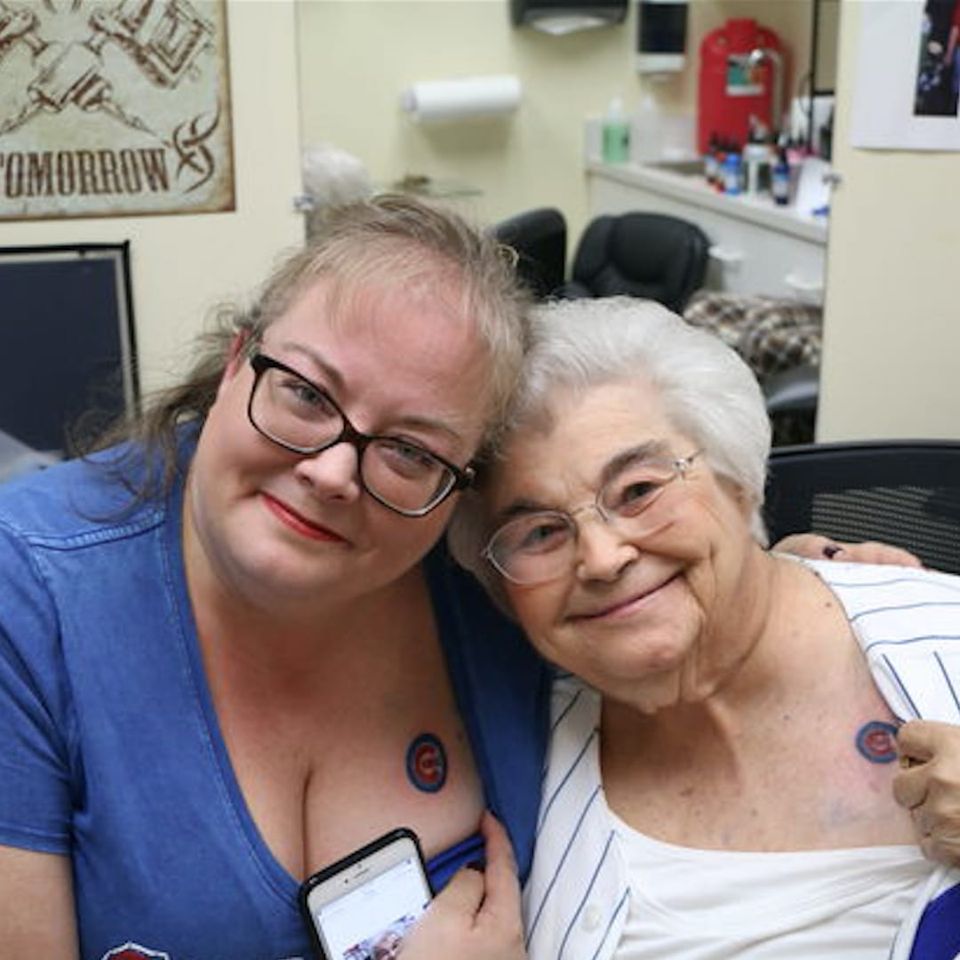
{"x": 540, "y": 546}
{"x": 296, "y": 414}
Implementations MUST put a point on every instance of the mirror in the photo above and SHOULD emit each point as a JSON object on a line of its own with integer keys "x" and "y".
{"x": 825, "y": 35}
{"x": 817, "y": 88}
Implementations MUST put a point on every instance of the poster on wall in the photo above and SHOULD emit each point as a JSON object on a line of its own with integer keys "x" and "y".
{"x": 114, "y": 108}
{"x": 908, "y": 75}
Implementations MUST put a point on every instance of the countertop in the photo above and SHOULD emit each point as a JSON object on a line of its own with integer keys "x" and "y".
{"x": 693, "y": 188}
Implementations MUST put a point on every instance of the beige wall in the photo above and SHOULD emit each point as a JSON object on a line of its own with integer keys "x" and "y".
{"x": 892, "y": 323}
{"x": 891, "y": 330}
{"x": 182, "y": 265}
{"x": 891, "y": 335}
{"x": 356, "y": 56}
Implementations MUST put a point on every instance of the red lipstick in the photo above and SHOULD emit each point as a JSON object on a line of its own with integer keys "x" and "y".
{"x": 298, "y": 523}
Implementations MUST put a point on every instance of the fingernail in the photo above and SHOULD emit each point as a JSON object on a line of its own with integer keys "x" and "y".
{"x": 831, "y": 551}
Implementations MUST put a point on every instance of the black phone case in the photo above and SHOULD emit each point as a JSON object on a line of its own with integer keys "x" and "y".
{"x": 351, "y": 858}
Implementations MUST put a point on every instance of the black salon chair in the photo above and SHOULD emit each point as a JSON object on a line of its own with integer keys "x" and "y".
{"x": 640, "y": 254}
{"x": 904, "y": 492}
{"x": 539, "y": 238}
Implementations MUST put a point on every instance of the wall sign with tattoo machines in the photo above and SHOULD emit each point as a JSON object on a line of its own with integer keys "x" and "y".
{"x": 361, "y": 906}
{"x": 114, "y": 108}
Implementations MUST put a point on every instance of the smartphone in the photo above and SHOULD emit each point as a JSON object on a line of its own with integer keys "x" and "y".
{"x": 360, "y": 907}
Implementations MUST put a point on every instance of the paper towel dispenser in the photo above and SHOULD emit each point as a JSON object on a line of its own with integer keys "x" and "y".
{"x": 565, "y": 16}
{"x": 661, "y": 35}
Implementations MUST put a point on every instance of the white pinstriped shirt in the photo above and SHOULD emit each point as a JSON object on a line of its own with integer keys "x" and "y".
{"x": 577, "y": 895}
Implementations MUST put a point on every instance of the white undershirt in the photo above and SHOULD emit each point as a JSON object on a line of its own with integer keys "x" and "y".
{"x": 836, "y": 904}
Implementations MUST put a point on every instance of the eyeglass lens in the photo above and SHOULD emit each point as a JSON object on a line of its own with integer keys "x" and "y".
{"x": 295, "y": 414}
{"x": 541, "y": 546}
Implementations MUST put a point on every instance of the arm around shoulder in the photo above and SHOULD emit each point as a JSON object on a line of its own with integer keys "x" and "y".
{"x": 813, "y": 546}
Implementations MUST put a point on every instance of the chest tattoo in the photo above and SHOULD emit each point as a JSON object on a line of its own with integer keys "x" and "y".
{"x": 877, "y": 741}
{"x": 427, "y": 763}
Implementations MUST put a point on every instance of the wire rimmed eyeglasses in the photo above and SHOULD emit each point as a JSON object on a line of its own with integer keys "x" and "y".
{"x": 541, "y": 545}
{"x": 300, "y": 416}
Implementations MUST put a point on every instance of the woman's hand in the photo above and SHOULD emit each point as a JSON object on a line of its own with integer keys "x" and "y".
{"x": 812, "y": 546}
{"x": 477, "y": 915}
{"x": 929, "y": 786}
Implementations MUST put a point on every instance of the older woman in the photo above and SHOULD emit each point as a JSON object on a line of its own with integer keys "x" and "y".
{"x": 720, "y": 774}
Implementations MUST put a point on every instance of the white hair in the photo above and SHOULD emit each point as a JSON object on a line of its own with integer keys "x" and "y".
{"x": 707, "y": 391}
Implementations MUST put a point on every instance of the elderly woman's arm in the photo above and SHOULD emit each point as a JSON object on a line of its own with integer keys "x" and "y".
{"x": 812, "y": 546}
{"x": 477, "y": 915}
{"x": 929, "y": 785}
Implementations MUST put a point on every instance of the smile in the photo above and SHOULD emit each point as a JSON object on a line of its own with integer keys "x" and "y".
{"x": 625, "y": 608}
{"x": 298, "y": 523}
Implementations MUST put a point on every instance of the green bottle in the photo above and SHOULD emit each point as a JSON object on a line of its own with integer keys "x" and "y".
{"x": 616, "y": 133}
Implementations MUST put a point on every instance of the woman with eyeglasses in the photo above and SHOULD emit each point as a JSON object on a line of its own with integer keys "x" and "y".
{"x": 723, "y": 761}
{"x": 231, "y": 649}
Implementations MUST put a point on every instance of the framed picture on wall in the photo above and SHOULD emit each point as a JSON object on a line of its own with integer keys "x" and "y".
{"x": 67, "y": 338}
{"x": 905, "y": 88}
{"x": 114, "y": 109}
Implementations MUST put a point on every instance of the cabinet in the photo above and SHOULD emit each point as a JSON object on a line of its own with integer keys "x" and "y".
{"x": 756, "y": 247}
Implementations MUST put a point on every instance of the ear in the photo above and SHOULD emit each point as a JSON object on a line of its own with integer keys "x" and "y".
{"x": 236, "y": 354}
{"x": 747, "y": 503}
{"x": 235, "y": 359}
{"x": 743, "y": 501}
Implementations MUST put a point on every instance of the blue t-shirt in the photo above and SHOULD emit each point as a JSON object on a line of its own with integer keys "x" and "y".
{"x": 110, "y": 751}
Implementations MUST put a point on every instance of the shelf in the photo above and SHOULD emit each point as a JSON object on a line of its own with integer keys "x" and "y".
{"x": 694, "y": 189}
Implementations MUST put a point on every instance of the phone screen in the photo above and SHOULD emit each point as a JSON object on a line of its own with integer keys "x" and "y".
{"x": 362, "y": 911}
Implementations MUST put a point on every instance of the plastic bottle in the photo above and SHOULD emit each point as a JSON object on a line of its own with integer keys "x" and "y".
{"x": 720, "y": 158}
{"x": 616, "y": 133}
{"x": 756, "y": 153}
{"x": 710, "y": 169}
{"x": 780, "y": 179}
{"x": 647, "y": 134}
{"x": 731, "y": 172}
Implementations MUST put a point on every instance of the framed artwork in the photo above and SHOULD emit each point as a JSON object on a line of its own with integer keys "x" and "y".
{"x": 908, "y": 76}
{"x": 114, "y": 108}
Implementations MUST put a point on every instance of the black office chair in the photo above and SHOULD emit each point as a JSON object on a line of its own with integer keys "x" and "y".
{"x": 640, "y": 254}
{"x": 904, "y": 492}
{"x": 539, "y": 237}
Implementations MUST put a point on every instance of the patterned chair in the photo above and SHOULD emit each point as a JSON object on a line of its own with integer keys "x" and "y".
{"x": 781, "y": 340}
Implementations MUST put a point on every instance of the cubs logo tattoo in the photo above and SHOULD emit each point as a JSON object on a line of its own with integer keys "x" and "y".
{"x": 133, "y": 951}
{"x": 877, "y": 741}
{"x": 427, "y": 763}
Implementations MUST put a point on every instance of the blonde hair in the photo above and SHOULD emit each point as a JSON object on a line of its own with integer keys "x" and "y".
{"x": 387, "y": 238}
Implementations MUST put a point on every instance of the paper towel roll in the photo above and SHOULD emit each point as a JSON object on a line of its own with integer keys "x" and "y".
{"x": 458, "y": 99}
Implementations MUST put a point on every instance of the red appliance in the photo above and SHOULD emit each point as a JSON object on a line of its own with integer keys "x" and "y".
{"x": 731, "y": 88}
